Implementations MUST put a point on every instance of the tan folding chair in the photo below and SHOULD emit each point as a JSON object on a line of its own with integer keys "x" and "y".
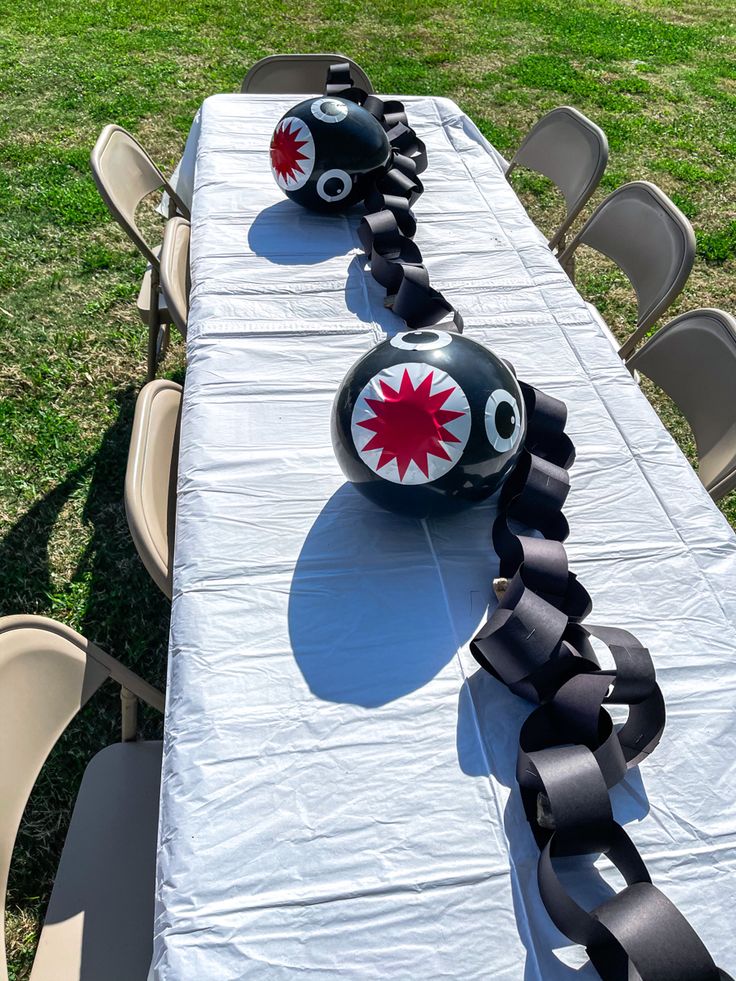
{"x": 99, "y": 922}
{"x": 298, "y": 74}
{"x": 125, "y": 175}
{"x": 693, "y": 359}
{"x": 572, "y": 152}
{"x": 175, "y": 282}
{"x": 650, "y": 240}
{"x": 150, "y": 478}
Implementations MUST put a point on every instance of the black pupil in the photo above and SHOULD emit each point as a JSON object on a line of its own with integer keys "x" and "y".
{"x": 330, "y": 108}
{"x": 423, "y": 337}
{"x": 333, "y": 186}
{"x": 505, "y": 420}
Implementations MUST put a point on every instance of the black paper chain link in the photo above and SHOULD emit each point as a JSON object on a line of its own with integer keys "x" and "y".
{"x": 570, "y": 753}
{"x": 386, "y": 232}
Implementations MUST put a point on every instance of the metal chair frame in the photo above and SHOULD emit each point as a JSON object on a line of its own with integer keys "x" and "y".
{"x": 275, "y": 74}
{"x": 125, "y": 174}
{"x": 650, "y": 240}
{"x": 572, "y": 151}
{"x": 693, "y": 359}
{"x": 48, "y": 673}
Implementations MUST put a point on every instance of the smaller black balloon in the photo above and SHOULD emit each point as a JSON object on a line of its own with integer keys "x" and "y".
{"x": 428, "y": 422}
{"x": 327, "y": 152}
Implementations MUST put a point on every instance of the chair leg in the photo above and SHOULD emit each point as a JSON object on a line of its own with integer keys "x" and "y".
{"x": 158, "y": 345}
{"x": 162, "y": 342}
{"x": 569, "y": 268}
{"x": 154, "y": 328}
{"x": 129, "y": 712}
{"x": 151, "y": 358}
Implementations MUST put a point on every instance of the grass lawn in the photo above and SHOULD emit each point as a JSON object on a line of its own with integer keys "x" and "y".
{"x": 658, "y": 75}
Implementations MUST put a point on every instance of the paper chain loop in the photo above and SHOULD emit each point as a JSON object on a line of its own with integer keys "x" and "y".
{"x": 387, "y": 230}
{"x": 570, "y": 754}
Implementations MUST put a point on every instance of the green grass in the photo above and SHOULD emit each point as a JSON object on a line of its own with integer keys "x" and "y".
{"x": 658, "y": 75}
{"x": 719, "y": 245}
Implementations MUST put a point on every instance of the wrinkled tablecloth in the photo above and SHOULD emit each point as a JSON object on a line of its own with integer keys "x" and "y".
{"x": 338, "y": 795}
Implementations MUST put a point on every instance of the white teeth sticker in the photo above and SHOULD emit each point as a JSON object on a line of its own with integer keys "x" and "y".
{"x": 292, "y": 153}
{"x": 411, "y": 423}
{"x": 329, "y": 110}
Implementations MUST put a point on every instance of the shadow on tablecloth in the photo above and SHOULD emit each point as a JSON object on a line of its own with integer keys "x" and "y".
{"x": 370, "y": 599}
{"x": 289, "y": 235}
{"x": 489, "y": 720}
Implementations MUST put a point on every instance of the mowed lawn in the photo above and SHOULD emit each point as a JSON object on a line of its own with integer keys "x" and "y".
{"x": 659, "y": 77}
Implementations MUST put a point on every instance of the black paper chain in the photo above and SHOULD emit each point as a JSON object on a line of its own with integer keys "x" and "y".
{"x": 386, "y": 231}
{"x": 570, "y": 754}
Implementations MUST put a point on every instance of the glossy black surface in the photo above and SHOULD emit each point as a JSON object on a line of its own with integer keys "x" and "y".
{"x": 356, "y": 144}
{"x": 480, "y": 470}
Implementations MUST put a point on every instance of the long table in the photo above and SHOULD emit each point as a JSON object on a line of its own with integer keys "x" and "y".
{"x": 338, "y": 795}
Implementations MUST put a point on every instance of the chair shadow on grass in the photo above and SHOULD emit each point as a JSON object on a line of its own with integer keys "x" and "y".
{"x": 121, "y": 610}
{"x": 489, "y": 720}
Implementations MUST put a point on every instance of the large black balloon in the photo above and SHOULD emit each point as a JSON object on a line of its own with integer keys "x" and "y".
{"x": 326, "y": 153}
{"x": 428, "y": 422}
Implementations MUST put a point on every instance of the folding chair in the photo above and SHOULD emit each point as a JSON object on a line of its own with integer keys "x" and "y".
{"x": 175, "y": 281}
{"x": 650, "y": 240}
{"x": 99, "y": 922}
{"x": 298, "y": 74}
{"x": 693, "y": 359}
{"x": 150, "y": 478}
{"x": 125, "y": 175}
{"x": 572, "y": 152}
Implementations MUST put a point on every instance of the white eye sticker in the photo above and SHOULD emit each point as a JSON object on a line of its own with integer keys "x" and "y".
{"x": 503, "y": 420}
{"x": 329, "y": 110}
{"x": 292, "y": 153}
{"x": 334, "y": 185}
{"x": 421, "y": 340}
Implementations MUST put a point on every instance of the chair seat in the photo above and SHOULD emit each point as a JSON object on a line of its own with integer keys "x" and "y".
{"x": 175, "y": 282}
{"x": 99, "y": 923}
{"x": 150, "y": 478}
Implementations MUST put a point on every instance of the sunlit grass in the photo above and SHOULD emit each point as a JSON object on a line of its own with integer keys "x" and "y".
{"x": 657, "y": 75}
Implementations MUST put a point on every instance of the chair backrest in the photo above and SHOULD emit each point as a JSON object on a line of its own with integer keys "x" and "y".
{"x": 650, "y": 240}
{"x": 150, "y": 478}
{"x": 125, "y": 175}
{"x": 693, "y": 359}
{"x": 175, "y": 281}
{"x": 47, "y": 673}
{"x": 572, "y": 152}
{"x": 298, "y": 74}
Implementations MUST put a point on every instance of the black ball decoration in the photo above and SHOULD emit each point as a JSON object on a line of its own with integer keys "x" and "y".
{"x": 428, "y": 422}
{"x": 327, "y": 152}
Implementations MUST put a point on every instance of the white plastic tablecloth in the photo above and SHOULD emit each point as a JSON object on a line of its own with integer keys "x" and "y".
{"x": 338, "y": 792}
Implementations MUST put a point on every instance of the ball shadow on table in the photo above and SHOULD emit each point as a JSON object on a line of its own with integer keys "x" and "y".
{"x": 289, "y": 235}
{"x": 488, "y": 724}
{"x": 370, "y": 599}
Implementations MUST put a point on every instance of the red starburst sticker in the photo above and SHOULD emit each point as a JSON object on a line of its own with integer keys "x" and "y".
{"x": 292, "y": 153}
{"x": 411, "y": 423}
